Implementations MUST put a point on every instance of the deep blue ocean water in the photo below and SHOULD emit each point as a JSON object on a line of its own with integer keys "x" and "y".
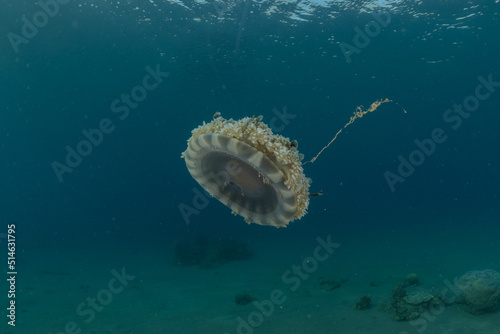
{"x": 436, "y": 60}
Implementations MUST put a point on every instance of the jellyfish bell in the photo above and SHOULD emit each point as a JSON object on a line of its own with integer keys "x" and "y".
{"x": 256, "y": 173}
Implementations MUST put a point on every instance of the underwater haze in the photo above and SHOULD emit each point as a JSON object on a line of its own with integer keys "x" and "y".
{"x": 103, "y": 230}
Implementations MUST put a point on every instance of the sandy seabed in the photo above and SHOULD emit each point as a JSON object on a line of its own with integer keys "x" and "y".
{"x": 159, "y": 296}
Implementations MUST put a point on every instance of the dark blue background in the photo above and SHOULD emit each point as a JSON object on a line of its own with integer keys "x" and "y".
{"x": 127, "y": 191}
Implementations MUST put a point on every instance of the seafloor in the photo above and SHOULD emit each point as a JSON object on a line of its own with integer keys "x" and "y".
{"x": 159, "y": 296}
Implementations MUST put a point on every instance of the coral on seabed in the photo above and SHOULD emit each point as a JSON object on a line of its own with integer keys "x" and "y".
{"x": 244, "y": 299}
{"x": 363, "y": 303}
{"x": 411, "y": 279}
{"x": 208, "y": 253}
{"x": 409, "y": 306}
{"x": 330, "y": 284}
{"x": 480, "y": 291}
{"x": 418, "y": 298}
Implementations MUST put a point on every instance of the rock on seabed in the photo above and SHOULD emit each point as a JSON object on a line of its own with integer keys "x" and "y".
{"x": 480, "y": 290}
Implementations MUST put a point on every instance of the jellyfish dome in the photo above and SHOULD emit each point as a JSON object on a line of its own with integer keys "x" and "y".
{"x": 256, "y": 173}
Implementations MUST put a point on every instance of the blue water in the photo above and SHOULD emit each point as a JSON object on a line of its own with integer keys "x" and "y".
{"x": 243, "y": 59}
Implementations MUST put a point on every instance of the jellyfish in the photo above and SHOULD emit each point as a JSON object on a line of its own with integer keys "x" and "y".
{"x": 256, "y": 173}
{"x": 259, "y": 175}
